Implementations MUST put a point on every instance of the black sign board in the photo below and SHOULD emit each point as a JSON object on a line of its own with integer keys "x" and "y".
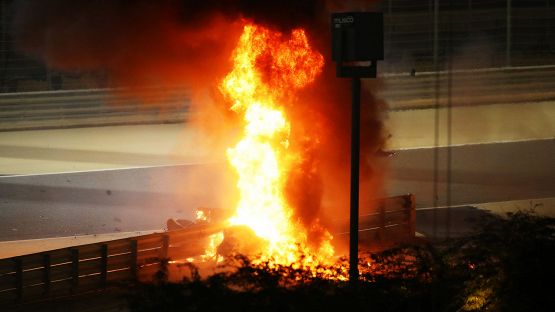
{"x": 357, "y": 37}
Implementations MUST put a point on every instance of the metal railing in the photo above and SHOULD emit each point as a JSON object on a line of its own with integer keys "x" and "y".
{"x": 506, "y": 85}
{"x": 92, "y": 107}
{"x": 392, "y": 221}
{"x": 75, "y": 270}
{"x": 81, "y": 269}
{"x": 104, "y": 107}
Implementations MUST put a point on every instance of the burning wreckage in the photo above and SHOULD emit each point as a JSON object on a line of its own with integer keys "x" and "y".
{"x": 289, "y": 159}
{"x": 269, "y": 68}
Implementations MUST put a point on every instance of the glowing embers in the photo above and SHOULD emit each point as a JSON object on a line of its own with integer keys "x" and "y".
{"x": 268, "y": 68}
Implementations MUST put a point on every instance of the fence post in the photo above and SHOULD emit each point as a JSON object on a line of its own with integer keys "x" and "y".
{"x": 471, "y": 17}
{"x": 436, "y": 36}
{"x": 509, "y": 35}
{"x": 133, "y": 264}
{"x": 388, "y": 19}
{"x": 381, "y": 231}
{"x": 104, "y": 265}
{"x": 19, "y": 278}
{"x": 165, "y": 246}
{"x": 412, "y": 214}
{"x": 74, "y": 269}
{"x": 47, "y": 272}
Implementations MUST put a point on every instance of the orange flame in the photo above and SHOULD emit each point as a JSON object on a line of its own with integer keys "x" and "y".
{"x": 268, "y": 69}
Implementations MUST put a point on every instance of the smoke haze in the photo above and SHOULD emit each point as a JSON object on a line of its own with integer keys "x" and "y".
{"x": 189, "y": 43}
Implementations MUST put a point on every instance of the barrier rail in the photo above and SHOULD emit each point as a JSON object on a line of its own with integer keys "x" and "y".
{"x": 93, "y": 107}
{"x": 80, "y": 269}
{"x": 469, "y": 87}
{"x": 392, "y": 221}
{"x": 104, "y": 107}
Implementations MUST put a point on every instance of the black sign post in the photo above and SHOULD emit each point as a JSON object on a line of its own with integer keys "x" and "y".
{"x": 357, "y": 46}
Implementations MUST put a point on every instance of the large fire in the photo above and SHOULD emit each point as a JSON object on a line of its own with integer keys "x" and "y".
{"x": 269, "y": 68}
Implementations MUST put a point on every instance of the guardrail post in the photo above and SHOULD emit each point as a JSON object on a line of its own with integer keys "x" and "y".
{"x": 104, "y": 265}
{"x": 435, "y": 46}
{"x": 411, "y": 207}
{"x": 381, "y": 231}
{"x": 133, "y": 264}
{"x": 19, "y": 278}
{"x": 47, "y": 272}
{"x": 165, "y": 246}
{"x": 74, "y": 269}
{"x": 509, "y": 34}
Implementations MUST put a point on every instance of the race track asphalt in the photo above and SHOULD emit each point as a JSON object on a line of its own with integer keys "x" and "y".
{"x": 136, "y": 199}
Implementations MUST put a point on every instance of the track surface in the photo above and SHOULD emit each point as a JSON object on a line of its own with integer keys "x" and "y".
{"x": 513, "y": 105}
{"x": 39, "y": 206}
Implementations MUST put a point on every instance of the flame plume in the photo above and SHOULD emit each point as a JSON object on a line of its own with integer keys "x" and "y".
{"x": 268, "y": 68}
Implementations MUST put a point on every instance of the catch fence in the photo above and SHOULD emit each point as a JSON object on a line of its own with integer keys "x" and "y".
{"x": 417, "y": 33}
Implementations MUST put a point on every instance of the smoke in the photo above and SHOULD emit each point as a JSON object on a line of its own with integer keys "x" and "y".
{"x": 321, "y": 126}
{"x": 134, "y": 42}
{"x": 189, "y": 43}
{"x": 168, "y": 41}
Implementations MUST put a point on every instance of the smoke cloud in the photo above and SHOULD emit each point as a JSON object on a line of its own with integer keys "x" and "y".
{"x": 189, "y": 43}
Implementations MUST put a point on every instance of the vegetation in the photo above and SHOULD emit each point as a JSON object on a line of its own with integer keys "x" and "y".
{"x": 506, "y": 265}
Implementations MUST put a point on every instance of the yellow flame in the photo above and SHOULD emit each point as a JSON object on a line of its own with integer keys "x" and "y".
{"x": 263, "y": 158}
{"x": 211, "y": 251}
{"x": 201, "y": 215}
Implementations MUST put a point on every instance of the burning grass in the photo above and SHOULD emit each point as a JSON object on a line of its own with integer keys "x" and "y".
{"x": 507, "y": 265}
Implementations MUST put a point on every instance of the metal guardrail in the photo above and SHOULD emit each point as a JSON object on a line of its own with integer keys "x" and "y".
{"x": 103, "y": 107}
{"x": 392, "y": 221}
{"x": 76, "y": 270}
{"x": 96, "y": 107}
{"x": 504, "y": 85}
